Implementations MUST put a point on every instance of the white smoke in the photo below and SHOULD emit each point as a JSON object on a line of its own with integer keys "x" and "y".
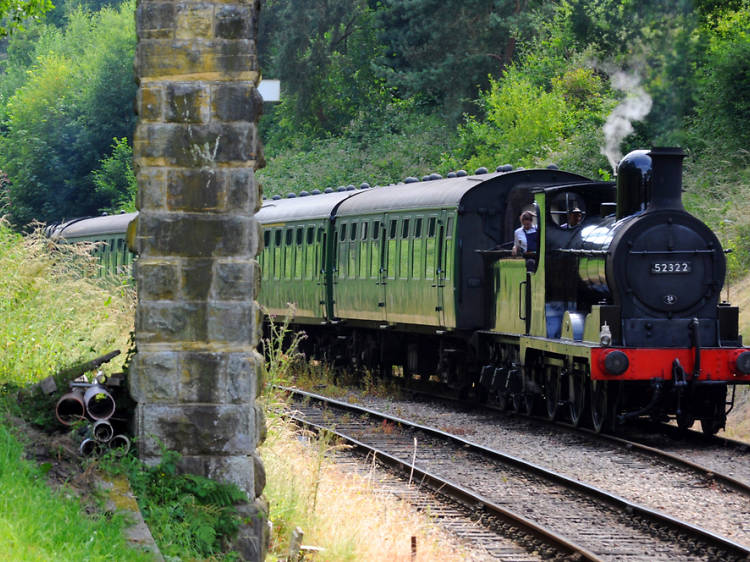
{"x": 634, "y": 107}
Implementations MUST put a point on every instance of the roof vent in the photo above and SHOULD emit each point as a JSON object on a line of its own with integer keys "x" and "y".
{"x": 435, "y": 176}
{"x": 504, "y": 168}
{"x": 303, "y": 193}
{"x": 553, "y": 167}
{"x": 315, "y": 192}
{"x": 461, "y": 173}
{"x": 480, "y": 171}
{"x": 276, "y": 197}
{"x": 411, "y": 179}
{"x": 328, "y": 190}
{"x": 350, "y": 187}
{"x": 364, "y": 185}
{"x": 451, "y": 175}
{"x": 291, "y": 195}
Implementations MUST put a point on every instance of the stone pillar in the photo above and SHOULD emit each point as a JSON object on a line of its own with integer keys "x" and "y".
{"x": 195, "y": 375}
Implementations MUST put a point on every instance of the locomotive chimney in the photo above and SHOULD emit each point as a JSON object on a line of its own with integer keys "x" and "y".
{"x": 666, "y": 191}
{"x": 633, "y": 183}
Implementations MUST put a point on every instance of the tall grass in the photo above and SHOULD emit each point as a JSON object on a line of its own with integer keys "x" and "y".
{"x": 52, "y": 316}
{"x": 36, "y": 524}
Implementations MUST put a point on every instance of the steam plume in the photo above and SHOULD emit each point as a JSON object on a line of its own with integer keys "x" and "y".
{"x": 634, "y": 107}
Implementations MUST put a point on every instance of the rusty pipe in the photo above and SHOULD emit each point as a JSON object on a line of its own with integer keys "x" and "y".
{"x": 102, "y": 431}
{"x": 70, "y": 408}
{"x": 88, "y": 447}
{"x": 99, "y": 403}
{"x": 120, "y": 445}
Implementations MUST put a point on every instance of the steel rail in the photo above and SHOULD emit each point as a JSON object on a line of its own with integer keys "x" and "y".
{"x": 615, "y": 501}
{"x": 459, "y": 494}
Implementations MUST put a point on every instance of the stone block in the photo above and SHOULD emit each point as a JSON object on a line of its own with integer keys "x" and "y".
{"x": 196, "y": 190}
{"x": 234, "y": 21}
{"x": 158, "y": 280}
{"x": 160, "y": 58}
{"x": 261, "y": 429}
{"x": 149, "y": 103}
{"x": 170, "y": 322}
{"x": 232, "y": 280}
{"x": 194, "y": 146}
{"x": 194, "y": 19}
{"x": 213, "y": 377}
{"x": 231, "y": 323}
{"x": 213, "y": 430}
{"x": 151, "y": 195}
{"x": 260, "y": 475}
{"x": 153, "y": 376}
{"x": 241, "y": 192}
{"x": 195, "y": 235}
{"x": 155, "y": 20}
{"x": 196, "y": 279}
{"x": 186, "y": 102}
{"x": 236, "y": 102}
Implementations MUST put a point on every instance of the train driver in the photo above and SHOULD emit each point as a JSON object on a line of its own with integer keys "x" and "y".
{"x": 526, "y": 237}
{"x": 574, "y": 219}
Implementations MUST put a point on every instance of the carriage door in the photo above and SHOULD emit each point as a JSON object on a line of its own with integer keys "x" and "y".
{"x": 380, "y": 231}
{"x": 323, "y": 275}
{"x": 440, "y": 269}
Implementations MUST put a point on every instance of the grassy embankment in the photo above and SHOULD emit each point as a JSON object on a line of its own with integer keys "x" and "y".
{"x": 54, "y": 318}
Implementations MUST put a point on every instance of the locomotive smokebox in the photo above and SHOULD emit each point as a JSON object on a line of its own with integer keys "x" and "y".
{"x": 666, "y": 179}
{"x": 633, "y": 183}
{"x": 649, "y": 180}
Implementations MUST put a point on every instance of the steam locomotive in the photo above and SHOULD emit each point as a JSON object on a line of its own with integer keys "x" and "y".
{"x": 617, "y": 318}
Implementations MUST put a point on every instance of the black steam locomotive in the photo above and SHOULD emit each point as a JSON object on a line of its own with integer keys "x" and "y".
{"x": 614, "y": 318}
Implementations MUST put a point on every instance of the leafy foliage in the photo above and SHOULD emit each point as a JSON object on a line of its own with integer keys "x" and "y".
{"x": 114, "y": 180}
{"x": 13, "y": 13}
{"x": 76, "y": 97}
{"x": 189, "y": 515}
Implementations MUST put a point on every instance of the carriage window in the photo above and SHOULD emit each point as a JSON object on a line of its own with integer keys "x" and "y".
{"x": 416, "y": 256}
{"x": 375, "y": 230}
{"x": 418, "y": 228}
{"x": 277, "y": 237}
{"x": 309, "y": 235}
{"x": 267, "y": 238}
{"x": 403, "y": 266}
{"x": 343, "y": 231}
{"x": 392, "y": 232}
{"x": 299, "y": 236}
{"x": 288, "y": 236}
{"x": 449, "y": 228}
{"x": 431, "y": 227}
{"x": 353, "y": 233}
{"x": 364, "y": 230}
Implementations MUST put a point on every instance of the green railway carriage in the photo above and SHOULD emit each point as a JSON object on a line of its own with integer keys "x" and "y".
{"x": 110, "y": 232}
{"x": 295, "y": 261}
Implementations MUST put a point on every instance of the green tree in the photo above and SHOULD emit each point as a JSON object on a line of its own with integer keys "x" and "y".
{"x": 322, "y": 52}
{"x": 114, "y": 180}
{"x": 445, "y": 50}
{"x": 13, "y": 13}
{"x": 77, "y": 96}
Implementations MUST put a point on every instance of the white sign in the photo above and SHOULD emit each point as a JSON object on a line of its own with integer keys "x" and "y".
{"x": 270, "y": 90}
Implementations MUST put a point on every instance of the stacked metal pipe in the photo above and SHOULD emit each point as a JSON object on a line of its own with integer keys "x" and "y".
{"x": 89, "y": 409}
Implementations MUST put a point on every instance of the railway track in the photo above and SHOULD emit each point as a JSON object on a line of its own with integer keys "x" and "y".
{"x": 716, "y": 459}
{"x": 604, "y": 526}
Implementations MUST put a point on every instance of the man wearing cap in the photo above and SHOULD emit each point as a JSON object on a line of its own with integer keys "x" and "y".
{"x": 574, "y": 219}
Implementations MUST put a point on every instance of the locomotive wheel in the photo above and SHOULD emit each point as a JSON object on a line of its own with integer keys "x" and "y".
{"x": 576, "y": 397}
{"x": 529, "y": 403}
{"x": 599, "y": 405}
{"x": 552, "y": 392}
